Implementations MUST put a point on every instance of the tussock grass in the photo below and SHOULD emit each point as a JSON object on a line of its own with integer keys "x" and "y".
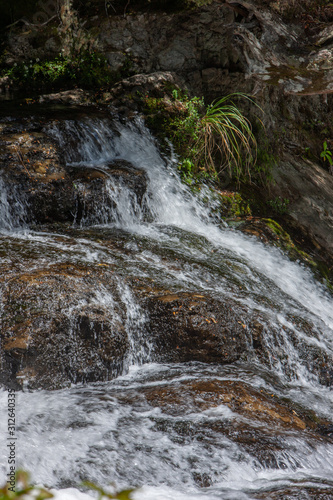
{"x": 225, "y": 134}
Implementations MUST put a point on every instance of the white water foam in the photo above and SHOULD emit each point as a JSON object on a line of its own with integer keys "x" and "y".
{"x": 12, "y": 207}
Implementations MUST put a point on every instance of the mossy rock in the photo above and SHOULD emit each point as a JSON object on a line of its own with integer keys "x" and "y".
{"x": 271, "y": 232}
{"x": 233, "y": 205}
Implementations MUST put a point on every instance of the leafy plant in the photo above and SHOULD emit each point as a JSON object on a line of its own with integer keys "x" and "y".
{"x": 266, "y": 160}
{"x": 120, "y": 495}
{"x": 87, "y": 69}
{"x": 326, "y": 154}
{"x": 279, "y": 205}
{"x": 23, "y": 490}
{"x": 204, "y": 137}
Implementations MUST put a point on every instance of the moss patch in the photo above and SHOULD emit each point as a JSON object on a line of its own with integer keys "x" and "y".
{"x": 271, "y": 232}
{"x": 233, "y": 205}
{"x": 88, "y": 70}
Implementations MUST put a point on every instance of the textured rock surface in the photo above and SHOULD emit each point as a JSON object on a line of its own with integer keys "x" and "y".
{"x": 261, "y": 431}
{"x": 56, "y": 331}
{"x": 192, "y": 327}
{"x": 33, "y": 164}
{"x": 212, "y": 51}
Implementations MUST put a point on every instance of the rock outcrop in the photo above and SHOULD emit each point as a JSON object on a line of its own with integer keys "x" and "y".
{"x": 33, "y": 164}
{"x": 261, "y": 431}
{"x": 55, "y": 330}
{"x": 212, "y": 51}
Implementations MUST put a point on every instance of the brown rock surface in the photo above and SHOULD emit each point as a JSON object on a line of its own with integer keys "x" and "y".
{"x": 55, "y": 331}
{"x": 194, "y": 327}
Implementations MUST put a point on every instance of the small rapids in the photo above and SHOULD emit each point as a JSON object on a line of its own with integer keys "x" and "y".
{"x": 148, "y": 427}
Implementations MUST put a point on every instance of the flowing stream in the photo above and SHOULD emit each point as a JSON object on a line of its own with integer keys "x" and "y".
{"x": 115, "y": 432}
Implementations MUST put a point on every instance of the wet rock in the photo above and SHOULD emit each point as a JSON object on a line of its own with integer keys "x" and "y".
{"x": 257, "y": 330}
{"x": 239, "y": 397}
{"x": 271, "y": 232}
{"x": 33, "y": 164}
{"x": 73, "y": 96}
{"x": 95, "y": 190}
{"x": 133, "y": 178}
{"x": 296, "y": 493}
{"x": 309, "y": 189}
{"x": 55, "y": 330}
{"x": 256, "y": 420}
{"x": 193, "y": 327}
{"x": 212, "y": 51}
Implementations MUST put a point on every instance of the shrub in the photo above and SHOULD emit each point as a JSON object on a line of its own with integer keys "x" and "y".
{"x": 23, "y": 489}
{"x": 207, "y": 140}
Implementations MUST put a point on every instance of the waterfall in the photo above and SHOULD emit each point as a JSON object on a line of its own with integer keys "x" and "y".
{"x": 169, "y": 213}
{"x": 153, "y": 426}
{"x": 12, "y": 207}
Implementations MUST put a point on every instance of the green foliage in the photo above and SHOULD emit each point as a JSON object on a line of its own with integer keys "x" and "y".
{"x": 120, "y": 495}
{"x": 326, "y": 154}
{"x": 196, "y": 3}
{"x": 178, "y": 118}
{"x": 87, "y": 69}
{"x": 204, "y": 137}
{"x": 266, "y": 160}
{"x": 278, "y": 205}
{"x": 23, "y": 488}
{"x": 232, "y": 204}
{"x": 226, "y": 134}
{"x": 187, "y": 170}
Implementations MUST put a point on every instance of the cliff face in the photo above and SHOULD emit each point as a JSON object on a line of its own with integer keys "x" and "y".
{"x": 219, "y": 49}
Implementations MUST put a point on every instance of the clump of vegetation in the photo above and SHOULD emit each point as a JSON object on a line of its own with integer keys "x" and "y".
{"x": 279, "y": 205}
{"x": 326, "y": 155}
{"x": 233, "y": 205}
{"x": 23, "y": 490}
{"x": 195, "y": 3}
{"x": 209, "y": 139}
{"x": 87, "y": 70}
{"x": 266, "y": 161}
{"x": 225, "y": 133}
{"x": 78, "y": 64}
{"x": 102, "y": 493}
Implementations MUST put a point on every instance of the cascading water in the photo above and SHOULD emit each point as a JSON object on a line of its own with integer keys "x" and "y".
{"x": 113, "y": 431}
{"x": 12, "y": 208}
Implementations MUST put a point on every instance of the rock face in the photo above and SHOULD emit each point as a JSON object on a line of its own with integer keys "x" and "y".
{"x": 192, "y": 327}
{"x": 264, "y": 426}
{"x": 221, "y": 48}
{"x": 309, "y": 189}
{"x": 55, "y": 331}
{"x": 212, "y": 51}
